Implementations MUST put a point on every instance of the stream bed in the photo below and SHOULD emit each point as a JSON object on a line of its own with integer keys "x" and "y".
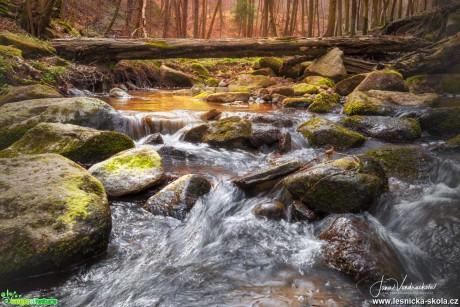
{"x": 222, "y": 255}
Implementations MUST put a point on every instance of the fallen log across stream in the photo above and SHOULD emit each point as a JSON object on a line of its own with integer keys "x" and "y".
{"x": 90, "y": 50}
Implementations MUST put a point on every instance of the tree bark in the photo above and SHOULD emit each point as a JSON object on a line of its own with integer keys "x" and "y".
{"x": 331, "y": 18}
{"x": 115, "y": 15}
{"x": 100, "y": 49}
{"x": 38, "y": 16}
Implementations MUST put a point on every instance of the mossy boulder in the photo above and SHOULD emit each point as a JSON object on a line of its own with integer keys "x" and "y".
{"x": 17, "y": 118}
{"x": 323, "y": 133}
{"x": 301, "y": 89}
{"x": 201, "y": 71}
{"x": 282, "y": 90}
{"x": 80, "y": 144}
{"x": 55, "y": 214}
{"x": 231, "y": 131}
{"x": 383, "y": 80}
{"x": 338, "y": 186}
{"x": 9, "y": 51}
{"x": 403, "y": 161}
{"x": 348, "y": 85}
{"x": 35, "y": 91}
{"x": 376, "y": 102}
{"x": 358, "y": 248}
{"x": 213, "y": 82}
{"x": 30, "y": 47}
{"x": 324, "y": 102}
{"x": 258, "y": 177}
{"x": 451, "y": 85}
{"x": 267, "y": 71}
{"x": 329, "y": 65}
{"x": 174, "y": 78}
{"x": 250, "y": 82}
{"x": 298, "y": 102}
{"x": 178, "y": 197}
{"x": 272, "y": 210}
{"x": 420, "y": 84}
{"x": 273, "y": 63}
{"x": 385, "y": 128}
{"x": 441, "y": 121}
{"x": 453, "y": 143}
{"x": 228, "y": 97}
{"x": 196, "y": 134}
{"x": 320, "y": 81}
{"x": 130, "y": 171}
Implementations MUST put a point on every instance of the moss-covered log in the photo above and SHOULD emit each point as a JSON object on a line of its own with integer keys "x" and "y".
{"x": 104, "y": 49}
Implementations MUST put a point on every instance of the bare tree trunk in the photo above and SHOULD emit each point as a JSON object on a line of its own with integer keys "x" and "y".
{"x": 311, "y": 17}
{"x": 203, "y": 18}
{"x": 375, "y": 14}
{"x": 339, "y": 19}
{"x": 38, "y": 16}
{"x": 219, "y": 3}
{"x": 115, "y": 15}
{"x": 331, "y": 18}
{"x": 288, "y": 15}
{"x": 272, "y": 18}
{"x": 365, "y": 16}
{"x": 354, "y": 11}
{"x": 196, "y": 18}
{"x": 347, "y": 16}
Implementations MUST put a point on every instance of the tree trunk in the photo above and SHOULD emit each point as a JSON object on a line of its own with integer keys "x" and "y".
{"x": 115, "y": 15}
{"x": 38, "y": 16}
{"x": 196, "y": 19}
{"x": 94, "y": 49}
{"x": 311, "y": 17}
{"x": 365, "y": 16}
{"x": 219, "y": 3}
{"x": 331, "y": 18}
{"x": 347, "y": 17}
{"x": 354, "y": 14}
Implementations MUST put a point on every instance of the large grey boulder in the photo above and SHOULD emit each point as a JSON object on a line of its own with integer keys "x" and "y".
{"x": 339, "y": 186}
{"x": 130, "y": 171}
{"x": 54, "y": 214}
{"x": 383, "y": 80}
{"x": 329, "y": 65}
{"x": 35, "y": 91}
{"x": 178, "y": 197}
{"x": 80, "y": 144}
{"x": 16, "y": 118}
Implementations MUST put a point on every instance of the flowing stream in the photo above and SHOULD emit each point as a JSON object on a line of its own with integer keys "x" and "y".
{"x": 222, "y": 255}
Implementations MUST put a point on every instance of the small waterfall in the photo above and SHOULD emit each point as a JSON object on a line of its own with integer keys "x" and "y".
{"x": 138, "y": 125}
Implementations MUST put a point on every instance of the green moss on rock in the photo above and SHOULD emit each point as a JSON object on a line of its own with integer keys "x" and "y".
{"x": 322, "y": 132}
{"x": 10, "y": 51}
{"x": 301, "y": 89}
{"x": 213, "y": 82}
{"x": 36, "y": 91}
{"x": 324, "y": 102}
{"x": 302, "y": 102}
{"x": 271, "y": 62}
{"x": 230, "y": 131}
{"x": 451, "y": 86}
{"x": 200, "y": 70}
{"x": 30, "y": 47}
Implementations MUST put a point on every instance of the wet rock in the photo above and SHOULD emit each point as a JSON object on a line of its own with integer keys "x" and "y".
{"x": 274, "y": 210}
{"x": 118, "y": 93}
{"x": 274, "y": 120}
{"x": 80, "y": 144}
{"x": 178, "y": 197}
{"x": 424, "y": 84}
{"x": 230, "y": 131}
{"x": 250, "y": 82}
{"x": 168, "y": 152}
{"x": 292, "y": 72}
{"x": 264, "y": 136}
{"x": 214, "y": 82}
{"x": 358, "y": 248}
{"x": 441, "y": 121}
{"x": 154, "y": 139}
{"x": 210, "y": 115}
{"x": 453, "y": 143}
{"x": 16, "y": 118}
{"x": 36, "y": 91}
{"x": 301, "y": 89}
{"x": 403, "y": 161}
{"x": 385, "y": 128}
{"x": 383, "y": 80}
{"x": 320, "y": 81}
{"x": 74, "y": 92}
{"x": 324, "y": 102}
{"x": 228, "y": 97}
{"x": 271, "y": 62}
{"x": 338, "y": 186}
{"x": 329, "y": 65}
{"x": 387, "y": 103}
{"x": 174, "y": 78}
{"x": 130, "y": 171}
{"x": 301, "y": 102}
{"x": 324, "y": 133}
{"x": 284, "y": 143}
{"x": 196, "y": 134}
{"x": 277, "y": 98}
{"x": 348, "y": 85}
{"x": 30, "y": 47}
{"x": 276, "y": 172}
{"x": 282, "y": 90}
{"x": 266, "y": 71}
{"x": 301, "y": 212}
{"x": 54, "y": 214}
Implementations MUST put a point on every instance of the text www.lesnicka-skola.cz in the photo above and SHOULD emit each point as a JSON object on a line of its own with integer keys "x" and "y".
{"x": 415, "y": 301}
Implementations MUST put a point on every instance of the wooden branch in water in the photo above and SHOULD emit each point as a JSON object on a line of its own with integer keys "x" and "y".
{"x": 105, "y": 49}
